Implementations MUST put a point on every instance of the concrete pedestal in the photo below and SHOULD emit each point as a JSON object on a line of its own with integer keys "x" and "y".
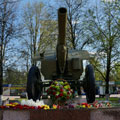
{"x": 66, "y": 114}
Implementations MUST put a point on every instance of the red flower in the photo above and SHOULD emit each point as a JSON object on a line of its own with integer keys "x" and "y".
{"x": 68, "y": 97}
{"x": 51, "y": 88}
{"x": 61, "y": 90}
{"x": 68, "y": 93}
{"x": 32, "y": 107}
{"x": 61, "y": 94}
{"x": 54, "y": 93}
{"x": 58, "y": 106}
{"x": 57, "y": 96}
{"x": 68, "y": 88}
{"x": 85, "y": 104}
{"x": 21, "y": 107}
{"x": 39, "y": 107}
{"x": 2, "y": 107}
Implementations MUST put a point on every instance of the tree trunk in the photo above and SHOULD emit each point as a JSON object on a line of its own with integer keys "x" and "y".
{"x": 1, "y": 71}
{"x": 108, "y": 72}
{"x": 1, "y": 75}
{"x": 1, "y": 78}
{"x": 107, "y": 83}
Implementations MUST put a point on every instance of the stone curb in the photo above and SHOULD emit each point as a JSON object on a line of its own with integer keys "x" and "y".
{"x": 68, "y": 114}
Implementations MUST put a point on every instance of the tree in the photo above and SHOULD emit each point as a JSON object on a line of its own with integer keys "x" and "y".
{"x": 14, "y": 76}
{"x": 105, "y": 34}
{"x": 39, "y": 28}
{"x": 99, "y": 72}
{"x": 75, "y": 28}
{"x": 116, "y": 72}
{"x": 7, "y": 31}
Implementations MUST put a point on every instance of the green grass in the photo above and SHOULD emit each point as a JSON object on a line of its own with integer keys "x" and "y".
{"x": 112, "y": 99}
{"x": 20, "y": 99}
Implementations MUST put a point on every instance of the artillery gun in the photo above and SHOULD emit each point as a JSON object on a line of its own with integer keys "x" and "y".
{"x": 62, "y": 64}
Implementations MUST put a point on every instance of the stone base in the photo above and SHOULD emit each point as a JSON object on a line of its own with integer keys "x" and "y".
{"x": 66, "y": 114}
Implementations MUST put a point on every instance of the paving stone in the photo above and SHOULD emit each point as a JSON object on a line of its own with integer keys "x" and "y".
{"x": 16, "y": 115}
{"x": 105, "y": 114}
{"x": 1, "y": 114}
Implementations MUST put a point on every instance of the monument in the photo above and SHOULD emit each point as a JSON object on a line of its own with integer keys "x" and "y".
{"x": 62, "y": 64}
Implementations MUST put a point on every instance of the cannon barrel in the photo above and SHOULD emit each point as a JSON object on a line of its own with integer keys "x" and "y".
{"x": 61, "y": 45}
{"x": 62, "y": 18}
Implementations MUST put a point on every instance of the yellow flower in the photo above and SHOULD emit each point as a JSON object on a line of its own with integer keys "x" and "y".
{"x": 15, "y": 103}
{"x": 12, "y": 105}
{"x": 89, "y": 106}
{"x": 8, "y": 105}
{"x": 54, "y": 106}
{"x": 46, "y": 107}
{"x": 83, "y": 106}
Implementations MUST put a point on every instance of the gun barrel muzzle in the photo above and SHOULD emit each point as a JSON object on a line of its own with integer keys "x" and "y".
{"x": 62, "y": 20}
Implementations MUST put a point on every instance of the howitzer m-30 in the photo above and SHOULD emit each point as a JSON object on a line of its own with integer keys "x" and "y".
{"x": 63, "y": 64}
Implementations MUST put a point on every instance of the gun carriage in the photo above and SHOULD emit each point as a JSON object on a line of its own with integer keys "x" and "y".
{"x": 62, "y": 64}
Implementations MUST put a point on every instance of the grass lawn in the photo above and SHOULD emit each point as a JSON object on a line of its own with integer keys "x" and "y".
{"x": 20, "y": 99}
{"x": 112, "y": 99}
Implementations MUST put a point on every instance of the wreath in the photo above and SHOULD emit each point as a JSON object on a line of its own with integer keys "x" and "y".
{"x": 59, "y": 91}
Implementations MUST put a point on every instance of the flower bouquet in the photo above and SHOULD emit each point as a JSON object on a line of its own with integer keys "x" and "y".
{"x": 27, "y": 104}
{"x": 59, "y": 91}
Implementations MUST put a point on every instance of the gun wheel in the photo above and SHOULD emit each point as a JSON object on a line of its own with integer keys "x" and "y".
{"x": 34, "y": 83}
{"x": 89, "y": 84}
